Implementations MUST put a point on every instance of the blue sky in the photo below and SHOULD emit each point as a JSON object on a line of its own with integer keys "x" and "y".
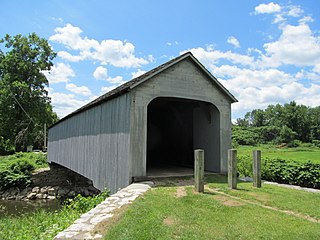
{"x": 264, "y": 52}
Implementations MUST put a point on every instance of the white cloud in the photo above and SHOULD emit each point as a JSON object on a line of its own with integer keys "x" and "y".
{"x": 82, "y": 90}
{"x": 297, "y": 45}
{"x": 210, "y": 56}
{"x": 295, "y": 11}
{"x": 306, "y": 19}
{"x": 60, "y": 72}
{"x": 64, "y": 104}
{"x": 267, "y": 8}
{"x": 233, "y": 41}
{"x": 107, "y": 89}
{"x": 115, "y": 52}
{"x": 69, "y": 57}
{"x": 138, "y": 73}
{"x": 239, "y": 78}
{"x": 101, "y": 73}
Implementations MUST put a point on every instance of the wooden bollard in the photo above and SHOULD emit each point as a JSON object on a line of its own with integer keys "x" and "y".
{"x": 199, "y": 170}
{"x": 232, "y": 168}
{"x": 257, "y": 168}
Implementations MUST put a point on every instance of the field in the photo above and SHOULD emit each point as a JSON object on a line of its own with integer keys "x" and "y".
{"x": 301, "y": 154}
{"x": 177, "y": 212}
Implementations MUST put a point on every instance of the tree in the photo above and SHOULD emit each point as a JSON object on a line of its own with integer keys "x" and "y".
{"x": 24, "y": 102}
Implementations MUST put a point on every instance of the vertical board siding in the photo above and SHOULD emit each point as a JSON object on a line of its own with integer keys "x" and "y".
{"x": 95, "y": 143}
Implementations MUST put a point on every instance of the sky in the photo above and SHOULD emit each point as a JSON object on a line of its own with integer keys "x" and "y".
{"x": 263, "y": 52}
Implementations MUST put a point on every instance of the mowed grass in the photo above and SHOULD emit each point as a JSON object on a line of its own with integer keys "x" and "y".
{"x": 177, "y": 212}
{"x": 301, "y": 154}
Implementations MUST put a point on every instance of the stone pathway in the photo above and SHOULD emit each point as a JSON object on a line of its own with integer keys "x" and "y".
{"x": 84, "y": 227}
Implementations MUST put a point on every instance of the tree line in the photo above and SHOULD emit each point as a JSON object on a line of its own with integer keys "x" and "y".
{"x": 24, "y": 103}
{"x": 289, "y": 123}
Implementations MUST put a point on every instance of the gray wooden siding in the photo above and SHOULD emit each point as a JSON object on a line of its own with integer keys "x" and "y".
{"x": 95, "y": 143}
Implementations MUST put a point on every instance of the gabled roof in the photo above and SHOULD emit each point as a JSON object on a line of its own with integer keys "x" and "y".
{"x": 126, "y": 87}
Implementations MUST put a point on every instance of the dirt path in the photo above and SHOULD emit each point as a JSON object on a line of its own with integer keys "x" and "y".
{"x": 288, "y": 212}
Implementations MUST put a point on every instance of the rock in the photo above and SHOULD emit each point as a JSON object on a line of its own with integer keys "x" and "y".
{"x": 39, "y": 196}
{"x": 51, "y": 197}
{"x": 92, "y": 189}
{"x": 62, "y": 192}
{"x": 86, "y": 193}
{"x": 43, "y": 190}
{"x": 52, "y": 191}
{"x": 19, "y": 197}
{"x": 32, "y": 196}
{"x": 71, "y": 194}
{"x": 24, "y": 192}
{"x": 45, "y": 196}
{"x": 35, "y": 190}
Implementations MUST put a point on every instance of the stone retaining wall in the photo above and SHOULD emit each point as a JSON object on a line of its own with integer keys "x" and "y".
{"x": 54, "y": 182}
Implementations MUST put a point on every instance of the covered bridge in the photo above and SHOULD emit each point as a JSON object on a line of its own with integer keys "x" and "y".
{"x": 153, "y": 120}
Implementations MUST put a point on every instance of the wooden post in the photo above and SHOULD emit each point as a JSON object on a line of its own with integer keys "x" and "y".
{"x": 45, "y": 138}
{"x": 232, "y": 168}
{"x": 257, "y": 168}
{"x": 199, "y": 170}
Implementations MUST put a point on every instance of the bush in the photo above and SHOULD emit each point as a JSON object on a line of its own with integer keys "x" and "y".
{"x": 16, "y": 173}
{"x": 282, "y": 171}
{"x": 16, "y": 170}
{"x": 292, "y": 172}
{"x": 244, "y": 166}
{"x": 83, "y": 204}
{"x": 244, "y": 136}
{"x": 316, "y": 143}
{"x": 5, "y": 146}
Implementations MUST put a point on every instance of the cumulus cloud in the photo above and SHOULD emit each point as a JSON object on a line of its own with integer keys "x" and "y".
{"x": 210, "y": 56}
{"x": 114, "y": 52}
{"x": 297, "y": 45}
{"x": 138, "y": 73}
{"x": 107, "y": 89}
{"x": 64, "y": 104}
{"x": 101, "y": 73}
{"x": 267, "y": 8}
{"x": 60, "y": 72}
{"x": 81, "y": 90}
{"x": 233, "y": 41}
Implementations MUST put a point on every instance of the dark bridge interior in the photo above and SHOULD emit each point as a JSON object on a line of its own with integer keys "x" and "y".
{"x": 176, "y": 127}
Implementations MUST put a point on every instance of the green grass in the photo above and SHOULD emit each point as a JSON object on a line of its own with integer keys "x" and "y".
{"x": 160, "y": 214}
{"x": 38, "y": 225}
{"x": 38, "y": 160}
{"x": 45, "y": 224}
{"x": 301, "y": 154}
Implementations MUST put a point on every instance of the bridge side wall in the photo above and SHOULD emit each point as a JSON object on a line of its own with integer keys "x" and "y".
{"x": 95, "y": 143}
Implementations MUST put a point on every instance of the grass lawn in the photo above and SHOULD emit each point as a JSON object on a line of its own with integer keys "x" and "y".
{"x": 301, "y": 154}
{"x": 177, "y": 212}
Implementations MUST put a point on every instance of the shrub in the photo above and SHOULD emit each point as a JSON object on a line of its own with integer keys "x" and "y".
{"x": 83, "y": 204}
{"x": 292, "y": 172}
{"x": 16, "y": 173}
{"x": 316, "y": 143}
{"x": 244, "y": 165}
{"x": 244, "y": 136}
{"x": 282, "y": 171}
{"x": 5, "y": 146}
{"x": 16, "y": 169}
